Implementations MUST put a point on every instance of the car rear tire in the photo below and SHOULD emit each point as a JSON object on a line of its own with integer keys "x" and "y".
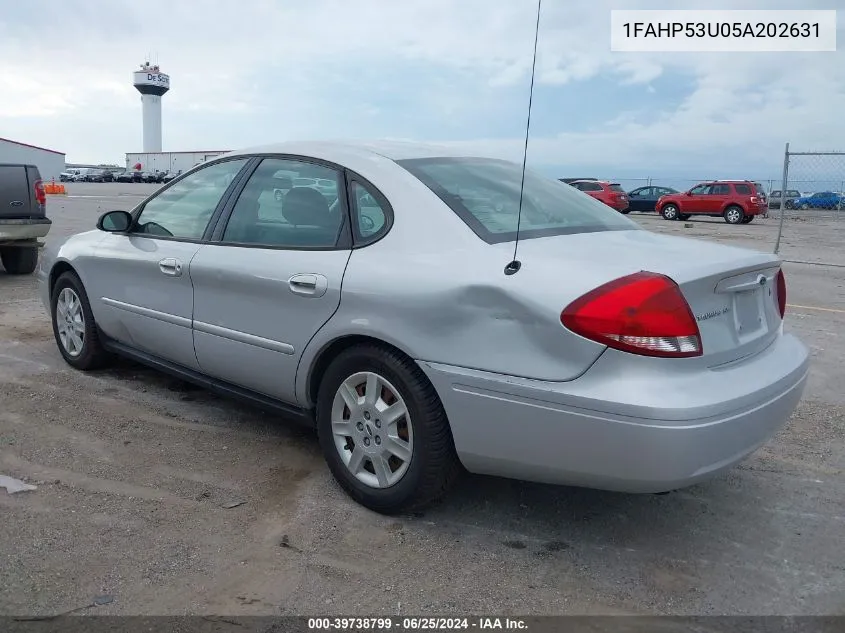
{"x": 624, "y": 211}
{"x": 19, "y": 260}
{"x": 684, "y": 217}
{"x": 670, "y": 212}
{"x": 748, "y": 219}
{"x": 73, "y": 325}
{"x": 387, "y": 465}
{"x": 734, "y": 215}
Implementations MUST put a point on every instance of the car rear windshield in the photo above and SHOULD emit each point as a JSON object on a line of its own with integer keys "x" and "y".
{"x": 617, "y": 188}
{"x": 485, "y": 194}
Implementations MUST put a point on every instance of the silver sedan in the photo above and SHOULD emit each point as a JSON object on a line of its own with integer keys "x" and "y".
{"x": 391, "y": 306}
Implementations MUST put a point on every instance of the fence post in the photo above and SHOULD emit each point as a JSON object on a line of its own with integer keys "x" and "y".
{"x": 782, "y": 192}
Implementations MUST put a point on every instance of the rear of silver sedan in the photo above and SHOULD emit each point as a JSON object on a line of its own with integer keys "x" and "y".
{"x": 616, "y": 358}
{"x": 695, "y": 374}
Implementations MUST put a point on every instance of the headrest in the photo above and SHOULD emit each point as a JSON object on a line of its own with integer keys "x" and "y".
{"x": 306, "y": 206}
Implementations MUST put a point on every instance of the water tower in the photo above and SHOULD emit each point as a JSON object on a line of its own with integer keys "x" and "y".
{"x": 152, "y": 84}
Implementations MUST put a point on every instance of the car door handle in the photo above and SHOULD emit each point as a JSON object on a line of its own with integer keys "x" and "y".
{"x": 308, "y": 284}
{"x": 170, "y": 266}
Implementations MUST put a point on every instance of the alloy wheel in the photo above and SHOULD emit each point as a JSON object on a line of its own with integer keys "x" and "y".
{"x": 70, "y": 322}
{"x": 372, "y": 430}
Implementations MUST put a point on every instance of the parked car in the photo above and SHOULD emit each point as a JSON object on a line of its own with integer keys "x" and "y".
{"x": 80, "y": 176}
{"x": 406, "y": 341}
{"x": 95, "y": 175}
{"x": 611, "y": 193}
{"x": 23, "y": 217}
{"x": 126, "y": 176}
{"x": 821, "y": 200}
{"x": 68, "y": 175}
{"x": 738, "y": 201}
{"x": 108, "y": 176}
{"x": 170, "y": 176}
{"x": 788, "y": 199}
{"x": 645, "y": 198}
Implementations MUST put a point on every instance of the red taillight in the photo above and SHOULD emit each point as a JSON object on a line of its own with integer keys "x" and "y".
{"x": 40, "y": 195}
{"x": 781, "y": 290}
{"x": 644, "y": 313}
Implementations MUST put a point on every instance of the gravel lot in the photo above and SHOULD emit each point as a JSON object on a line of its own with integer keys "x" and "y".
{"x": 135, "y": 470}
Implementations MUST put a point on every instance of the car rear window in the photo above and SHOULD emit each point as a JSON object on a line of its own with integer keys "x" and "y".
{"x": 743, "y": 189}
{"x": 485, "y": 194}
{"x": 617, "y": 188}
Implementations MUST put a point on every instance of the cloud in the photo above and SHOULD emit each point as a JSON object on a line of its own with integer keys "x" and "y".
{"x": 452, "y": 70}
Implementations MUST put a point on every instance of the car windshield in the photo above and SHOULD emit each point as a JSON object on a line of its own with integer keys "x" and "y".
{"x": 485, "y": 193}
{"x": 793, "y": 194}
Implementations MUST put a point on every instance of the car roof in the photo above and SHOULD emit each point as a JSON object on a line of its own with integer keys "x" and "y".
{"x": 329, "y": 150}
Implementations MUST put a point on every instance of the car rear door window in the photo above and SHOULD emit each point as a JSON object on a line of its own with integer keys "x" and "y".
{"x": 591, "y": 186}
{"x": 485, "y": 194}
{"x": 270, "y": 213}
{"x": 720, "y": 190}
{"x": 184, "y": 209}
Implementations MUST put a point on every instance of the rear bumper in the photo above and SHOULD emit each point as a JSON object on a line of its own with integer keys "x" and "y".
{"x": 23, "y": 229}
{"x": 616, "y": 429}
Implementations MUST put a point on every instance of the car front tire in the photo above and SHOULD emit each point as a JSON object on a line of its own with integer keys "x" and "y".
{"x": 73, "y": 325}
{"x": 670, "y": 212}
{"x": 383, "y": 430}
{"x": 19, "y": 260}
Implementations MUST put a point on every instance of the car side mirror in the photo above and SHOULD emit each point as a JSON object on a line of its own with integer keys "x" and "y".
{"x": 115, "y": 222}
{"x": 688, "y": 193}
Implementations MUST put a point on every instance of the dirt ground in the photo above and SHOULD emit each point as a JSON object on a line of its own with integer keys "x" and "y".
{"x": 168, "y": 500}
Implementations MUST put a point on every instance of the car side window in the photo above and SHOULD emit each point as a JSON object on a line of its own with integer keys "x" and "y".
{"x": 591, "y": 186}
{"x": 719, "y": 190}
{"x": 184, "y": 209}
{"x": 287, "y": 203}
{"x": 700, "y": 190}
{"x": 746, "y": 190}
{"x": 370, "y": 215}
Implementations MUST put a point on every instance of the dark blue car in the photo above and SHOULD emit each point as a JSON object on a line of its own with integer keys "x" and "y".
{"x": 645, "y": 198}
{"x": 821, "y": 200}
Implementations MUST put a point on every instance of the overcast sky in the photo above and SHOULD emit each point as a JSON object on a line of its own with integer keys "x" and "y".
{"x": 257, "y": 71}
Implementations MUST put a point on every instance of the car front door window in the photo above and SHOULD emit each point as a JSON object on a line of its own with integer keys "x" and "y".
{"x": 183, "y": 210}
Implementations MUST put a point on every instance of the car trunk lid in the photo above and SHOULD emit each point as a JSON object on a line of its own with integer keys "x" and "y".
{"x": 731, "y": 291}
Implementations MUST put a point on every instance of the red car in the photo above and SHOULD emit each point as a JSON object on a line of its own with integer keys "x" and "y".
{"x": 611, "y": 193}
{"x": 738, "y": 201}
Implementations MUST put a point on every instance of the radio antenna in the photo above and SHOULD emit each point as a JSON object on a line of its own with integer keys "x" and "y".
{"x": 515, "y": 265}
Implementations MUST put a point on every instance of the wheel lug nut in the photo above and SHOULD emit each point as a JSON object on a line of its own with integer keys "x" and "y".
{"x": 378, "y": 441}
{"x": 360, "y": 426}
{"x": 366, "y": 415}
{"x": 378, "y": 424}
{"x": 366, "y": 441}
